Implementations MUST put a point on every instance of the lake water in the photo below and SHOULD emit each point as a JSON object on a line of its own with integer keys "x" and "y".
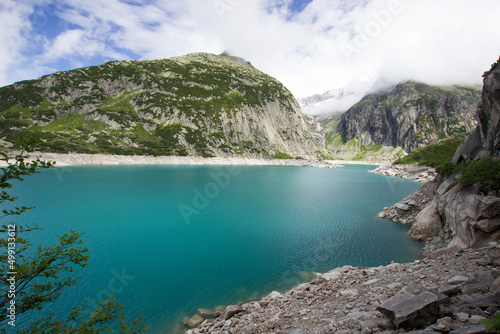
{"x": 169, "y": 239}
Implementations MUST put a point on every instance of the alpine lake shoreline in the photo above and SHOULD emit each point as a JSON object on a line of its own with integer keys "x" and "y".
{"x": 449, "y": 290}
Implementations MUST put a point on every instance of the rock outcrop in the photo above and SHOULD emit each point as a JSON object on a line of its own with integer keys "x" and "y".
{"x": 417, "y": 173}
{"x": 485, "y": 139}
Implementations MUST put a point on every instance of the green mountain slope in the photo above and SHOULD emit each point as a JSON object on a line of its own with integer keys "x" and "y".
{"x": 409, "y": 116}
{"x": 198, "y": 104}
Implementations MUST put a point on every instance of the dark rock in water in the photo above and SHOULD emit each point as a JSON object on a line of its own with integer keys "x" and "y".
{"x": 410, "y": 311}
{"x": 205, "y": 313}
{"x": 194, "y": 321}
{"x": 230, "y": 311}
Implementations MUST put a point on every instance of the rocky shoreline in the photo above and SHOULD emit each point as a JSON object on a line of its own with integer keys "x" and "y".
{"x": 449, "y": 291}
{"x": 417, "y": 173}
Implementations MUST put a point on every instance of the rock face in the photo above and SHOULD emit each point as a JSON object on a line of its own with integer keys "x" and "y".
{"x": 485, "y": 139}
{"x": 197, "y": 105}
{"x": 410, "y": 115}
{"x": 453, "y": 215}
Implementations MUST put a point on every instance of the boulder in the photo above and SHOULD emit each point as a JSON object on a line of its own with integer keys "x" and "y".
{"x": 230, "y": 311}
{"x": 194, "y": 321}
{"x": 206, "y": 313}
{"x": 410, "y": 311}
{"x": 490, "y": 207}
{"x": 274, "y": 295}
{"x": 332, "y": 275}
{"x": 458, "y": 280}
{"x": 473, "y": 206}
{"x": 444, "y": 251}
{"x": 427, "y": 224}
{"x": 401, "y": 206}
{"x": 483, "y": 301}
{"x": 446, "y": 186}
{"x": 488, "y": 225}
{"x": 495, "y": 287}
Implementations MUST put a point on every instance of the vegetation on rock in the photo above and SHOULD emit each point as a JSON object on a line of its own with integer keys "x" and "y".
{"x": 411, "y": 115}
{"x": 199, "y": 104}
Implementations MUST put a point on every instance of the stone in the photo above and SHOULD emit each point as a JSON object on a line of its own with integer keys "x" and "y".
{"x": 332, "y": 275}
{"x": 446, "y": 321}
{"x": 206, "y": 313}
{"x": 409, "y": 311}
{"x": 350, "y": 292}
{"x": 440, "y": 328}
{"x": 475, "y": 329}
{"x": 495, "y": 287}
{"x": 395, "y": 286}
{"x": 444, "y": 251}
{"x": 473, "y": 206}
{"x": 484, "y": 300}
{"x": 194, "y": 321}
{"x": 366, "y": 331}
{"x": 401, "y": 206}
{"x": 427, "y": 224}
{"x": 488, "y": 225}
{"x": 372, "y": 281}
{"x": 482, "y": 280}
{"x": 485, "y": 262}
{"x": 475, "y": 319}
{"x": 446, "y": 186}
{"x": 449, "y": 290}
{"x": 230, "y": 311}
{"x": 490, "y": 207}
{"x": 274, "y": 295}
{"x": 381, "y": 323}
{"x": 462, "y": 317}
{"x": 457, "y": 280}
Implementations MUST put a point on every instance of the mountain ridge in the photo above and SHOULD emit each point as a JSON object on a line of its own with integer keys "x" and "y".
{"x": 410, "y": 115}
{"x": 197, "y": 105}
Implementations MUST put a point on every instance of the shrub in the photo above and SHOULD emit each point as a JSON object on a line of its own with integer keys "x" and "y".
{"x": 485, "y": 171}
{"x": 433, "y": 155}
{"x": 282, "y": 155}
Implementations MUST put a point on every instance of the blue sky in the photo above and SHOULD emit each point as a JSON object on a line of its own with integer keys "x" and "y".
{"x": 310, "y": 45}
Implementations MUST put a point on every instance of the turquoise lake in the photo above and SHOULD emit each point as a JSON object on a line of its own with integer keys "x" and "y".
{"x": 170, "y": 239}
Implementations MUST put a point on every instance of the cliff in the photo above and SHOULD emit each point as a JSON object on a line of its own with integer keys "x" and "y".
{"x": 454, "y": 214}
{"x": 410, "y": 115}
{"x": 194, "y": 105}
{"x": 485, "y": 139}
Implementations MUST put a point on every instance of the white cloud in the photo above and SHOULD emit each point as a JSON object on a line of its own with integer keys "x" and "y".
{"x": 330, "y": 44}
{"x": 14, "y": 26}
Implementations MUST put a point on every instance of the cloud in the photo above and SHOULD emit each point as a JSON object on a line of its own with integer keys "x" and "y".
{"x": 14, "y": 26}
{"x": 361, "y": 45}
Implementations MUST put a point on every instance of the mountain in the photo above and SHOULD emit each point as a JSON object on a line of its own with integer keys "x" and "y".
{"x": 199, "y": 104}
{"x": 410, "y": 115}
{"x": 330, "y": 102}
